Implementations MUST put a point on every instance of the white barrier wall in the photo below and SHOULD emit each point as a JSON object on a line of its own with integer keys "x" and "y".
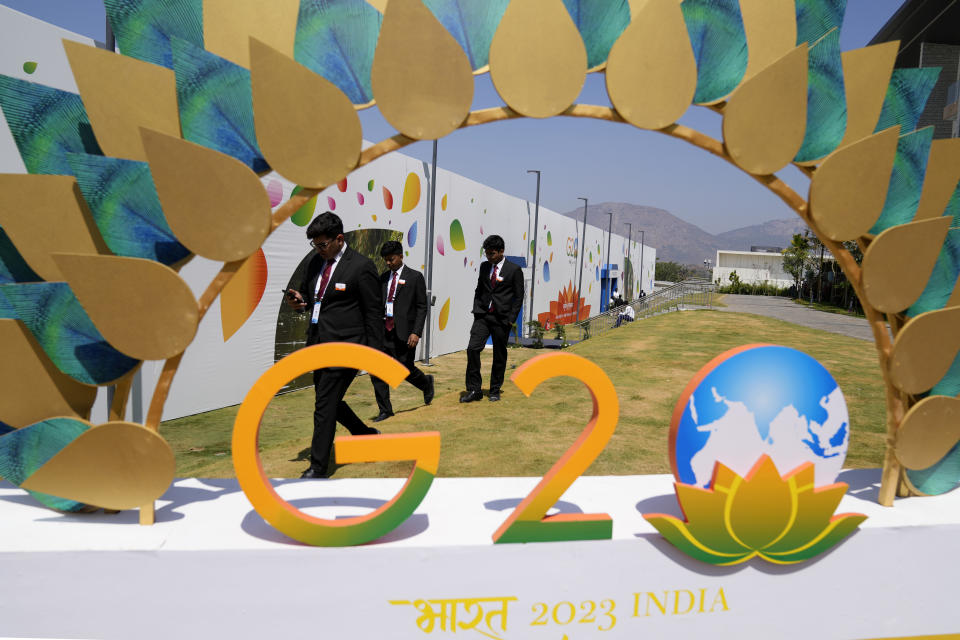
{"x": 390, "y": 194}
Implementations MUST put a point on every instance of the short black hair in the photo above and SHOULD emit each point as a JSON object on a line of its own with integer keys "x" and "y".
{"x": 327, "y": 224}
{"x": 494, "y": 242}
{"x": 391, "y": 248}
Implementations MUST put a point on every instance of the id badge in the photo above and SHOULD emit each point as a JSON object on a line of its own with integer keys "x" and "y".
{"x": 389, "y": 309}
{"x": 316, "y": 312}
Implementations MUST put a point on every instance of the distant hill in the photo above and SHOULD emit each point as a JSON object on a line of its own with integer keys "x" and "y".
{"x": 679, "y": 241}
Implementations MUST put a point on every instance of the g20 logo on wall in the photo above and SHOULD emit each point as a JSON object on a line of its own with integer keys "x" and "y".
{"x": 573, "y": 247}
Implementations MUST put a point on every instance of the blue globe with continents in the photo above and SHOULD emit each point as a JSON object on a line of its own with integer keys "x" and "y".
{"x": 754, "y": 400}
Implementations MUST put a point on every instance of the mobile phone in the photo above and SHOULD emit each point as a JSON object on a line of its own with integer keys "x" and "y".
{"x": 289, "y": 293}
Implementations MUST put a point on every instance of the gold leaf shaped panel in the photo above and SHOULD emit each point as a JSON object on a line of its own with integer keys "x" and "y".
{"x": 142, "y": 308}
{"x": 214, "y": 204}
{"x": 925, "y": 349}
{"x": 46, "y": 214}
{"x": 866, "y": 75}
{"x": 898, "y": 263}
{"x": 928, "y": 432}
{"x": 943, "y": 172}
{"x": 651, "y": 72}
{"x": 122, "y": 94}
{"x": 117, "y": 465}
{"x": 421, "y": 78}
{"x": 766, "y": 116}
{"x": 312, "y": 147}
{"x": 379, "y": 5}
{"x": 849, "y": 189}
{"x": 33, "y": 388}
{"x": 771, "y": 28}
{"x": 228, "y": 25}
{"x": 538, "y": 61}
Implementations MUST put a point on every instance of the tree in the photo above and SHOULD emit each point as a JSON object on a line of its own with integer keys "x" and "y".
{"x": 795, "y": 258}
{"x": 674, "y": 272}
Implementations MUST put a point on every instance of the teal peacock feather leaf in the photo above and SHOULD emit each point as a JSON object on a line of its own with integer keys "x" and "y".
{"x": 337, "y": 39}
{"x": 216, "y": 104}
{"x": 25, "y": 450}
{"x": 600, "y": 23}
{"x": 46, "y": 124}
{"x": 472, "y": 24}
{"x": 13, "y": 268}
{"x": 907, "y": 95}
{"x": 126, "y": 208}
{"x": 906, "y": 181}
{"x": 719, "y": 46}
{"x": 65, "y": 332}
{"x": 826, "y": 100}
{"x": 815, "y": 18}
{"x": 947, "y": 268}
{"x": 143, "y": 28}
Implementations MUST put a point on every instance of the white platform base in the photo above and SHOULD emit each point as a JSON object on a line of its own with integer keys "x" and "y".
{"x": 211, "y": 568}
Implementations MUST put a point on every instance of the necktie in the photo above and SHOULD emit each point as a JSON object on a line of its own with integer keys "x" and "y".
{"x": 325, "y": 279}
{"x": 493, "y": 283}
{"x": 388, "y": 322}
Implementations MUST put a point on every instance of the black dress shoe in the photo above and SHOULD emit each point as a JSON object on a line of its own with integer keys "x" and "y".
{"x": 314, "y": 472}
{"x": 472, "y": 396}
{"x": 428, "y": 394}
{"x": 383, "y": 416}
{"x": 494, "y": 396}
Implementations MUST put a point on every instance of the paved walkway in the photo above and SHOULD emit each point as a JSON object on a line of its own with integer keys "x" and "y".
{"x": 785, "y": 309}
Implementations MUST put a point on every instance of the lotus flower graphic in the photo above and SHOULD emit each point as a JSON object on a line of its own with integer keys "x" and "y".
{"x": 780, "y": 519}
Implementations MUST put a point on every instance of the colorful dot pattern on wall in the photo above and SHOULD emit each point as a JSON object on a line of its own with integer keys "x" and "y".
{"x": 29, "y": 66}
{"x": 331, "y": 204}
{"x": 370, "y": 185}
{"x": 546, "y": 272}
{"x": 387, "y": 198}
{"x": 443, "y": 203}
{"x": 444, "y": 314}
{"x": 412, "y": 234}
{"x": 275, "y": 192}
{"x": 359, "y": 197}
{"x": 342, "y": 185}
{"x": 549, "y": 239}
{"x": 457, "y": 242}
{"x": 305, "y": 213}
{"x": 411, "y": 193}
{"x": 440, "y": 248}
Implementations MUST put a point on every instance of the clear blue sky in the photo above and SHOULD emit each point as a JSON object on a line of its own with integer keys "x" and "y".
{"x": 597, "y": 160}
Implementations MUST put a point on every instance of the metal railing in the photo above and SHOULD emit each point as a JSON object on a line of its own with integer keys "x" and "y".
{"x": 689, "y": 293}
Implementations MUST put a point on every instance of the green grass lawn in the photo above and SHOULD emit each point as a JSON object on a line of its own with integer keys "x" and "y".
{"x": 649, "y": 362}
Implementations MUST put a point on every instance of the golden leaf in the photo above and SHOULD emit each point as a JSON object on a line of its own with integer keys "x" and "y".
{"x": 122, "y": 94}
{"x": 117, "y": 465}
{"x": 866, "y": 75}
{"x": 313, "y": 147}
{"x": 848, "y": 191}
{"x": 421, "y": 78}
{"x": 228, "y": 25}
{"x": 45, "y": 214}
{"x": 766, "y": 116}
{"x": 929, "y": 430}
{"x": 771, "y": 29}
{"x": 538, "y": 62}
{"x": 141, "y": 307}
{"x": 33, "y": 386}
{"x": 651, "y": 72}
{"x": 215, "y": 205}
{"x": 940, "y": 180}
{"x": 898, "y": 263}
{"x": 925, "y": 349}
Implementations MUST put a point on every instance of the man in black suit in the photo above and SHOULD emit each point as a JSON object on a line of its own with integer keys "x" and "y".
{"x": 341, "y": 293}
{"x": 404, "y": 296}
{"x": 496, "y": 303}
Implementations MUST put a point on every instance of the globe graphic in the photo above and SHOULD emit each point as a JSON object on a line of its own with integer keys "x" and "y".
{"x": 755, "y": 400}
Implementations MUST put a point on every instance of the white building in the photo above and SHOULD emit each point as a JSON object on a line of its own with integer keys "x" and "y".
{"x": 753, "y": 267}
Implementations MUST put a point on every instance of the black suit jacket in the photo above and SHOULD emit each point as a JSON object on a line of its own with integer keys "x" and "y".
{"x": 351, "y": 309}
{"x": 507, "y": 295}
{"x": 409, "y": 301}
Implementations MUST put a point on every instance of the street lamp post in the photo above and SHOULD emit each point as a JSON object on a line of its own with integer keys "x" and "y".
{"x": 641, "y": 260}
{"x": 582, "y": 247}
{"x": 536, "y": 226}
{"x": 629, "y": 241}
{"x": 609, "y": 236}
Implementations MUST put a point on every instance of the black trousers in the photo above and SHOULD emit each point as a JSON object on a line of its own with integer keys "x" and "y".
{"x": 330, "y": 386}
{"x": 398, "y": 350}
{"x": 485, "y": 326}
